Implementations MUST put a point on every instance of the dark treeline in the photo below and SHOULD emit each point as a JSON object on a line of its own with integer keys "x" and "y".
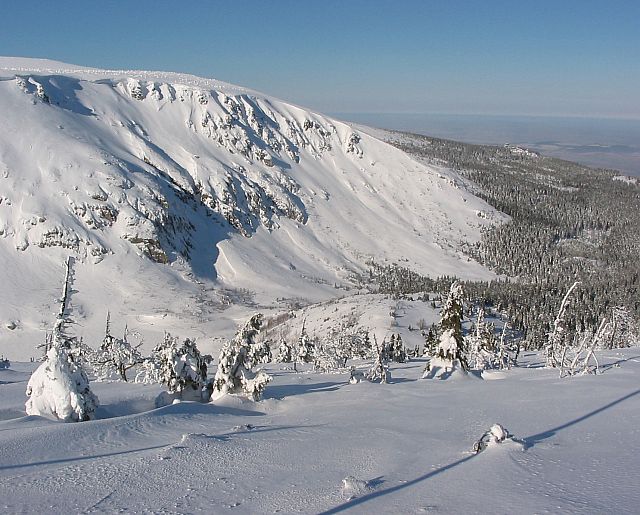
{"x": 569, "y": 223}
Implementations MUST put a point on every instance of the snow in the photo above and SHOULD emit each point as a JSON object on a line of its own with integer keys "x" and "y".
{"x": 318, "y": 444}
{"x": 189, "y": 205}
{"x": 289, "y": 204}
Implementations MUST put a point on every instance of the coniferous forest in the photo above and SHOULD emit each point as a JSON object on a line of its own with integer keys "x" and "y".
{"x": 568, "y": 223}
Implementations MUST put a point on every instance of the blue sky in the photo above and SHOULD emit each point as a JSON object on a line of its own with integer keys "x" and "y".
{"x": 576, "y": 58}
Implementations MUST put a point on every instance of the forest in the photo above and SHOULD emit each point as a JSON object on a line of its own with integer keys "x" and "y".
{"x": 569, "y": 223}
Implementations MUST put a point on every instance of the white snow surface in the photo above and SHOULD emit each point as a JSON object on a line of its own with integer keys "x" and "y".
{"x": 182, "y": 196}
{"x": 317, "y": 444}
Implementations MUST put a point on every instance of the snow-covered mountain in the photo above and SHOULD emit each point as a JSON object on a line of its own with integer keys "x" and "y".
{"x": 178, "y": 195}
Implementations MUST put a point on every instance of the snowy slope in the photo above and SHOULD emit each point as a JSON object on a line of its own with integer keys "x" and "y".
{"x": 180, "y": 195}
{"x": 406, "y": 444}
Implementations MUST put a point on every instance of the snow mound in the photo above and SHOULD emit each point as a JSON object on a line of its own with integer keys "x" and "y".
{"x": 497, "y": 435}
{"x": 353, "y": 487}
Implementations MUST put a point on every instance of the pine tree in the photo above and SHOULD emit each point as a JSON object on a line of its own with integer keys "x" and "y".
{"x": 179, "y": 367}
{"x": 430, "y": 341}
{"x": 284, "y": 352}
{"x": 450, "y": 353}
{"x": 59, "y": 387}
{"x": 235, "y": 374}
{"x": 306, "y": 347}
{"x": 451, "y": 322}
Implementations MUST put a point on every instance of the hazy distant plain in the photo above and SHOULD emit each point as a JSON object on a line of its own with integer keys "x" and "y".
{"x": 601, "y": 143}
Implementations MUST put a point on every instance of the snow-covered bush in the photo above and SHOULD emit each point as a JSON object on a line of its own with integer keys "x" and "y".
{"x": 60, "y": 389}
{"x": 115, "y": 357}
{"x": 178, "y": 366}
{"x": 581, "y": 359}
{"x": 329, "y": 358}
{"x": 482, "y": 350}
{"x": 446, "y": 360}
{"x": 235, "y": 374}
{"x": 619, "y": 330}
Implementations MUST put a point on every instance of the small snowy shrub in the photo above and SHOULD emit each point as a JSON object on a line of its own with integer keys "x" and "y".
{"x": 60, "y": 389}
{"x": 446, "y": 360}
{"x": 328, "y": 359}
{"x": 179, "y": 367}
{"x": 115, "y": 357}
{"x": 235, "y": 374}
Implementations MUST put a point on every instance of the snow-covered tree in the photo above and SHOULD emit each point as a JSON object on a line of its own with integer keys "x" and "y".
{"x": 451, "y": 319}
{"x": 430, "y": 341}
{"x": 235, "y": 367}
{"x": 115, "y": 357}
{"x": 620, "y": 330}
{"x": 397, "y": 352}
{"x": 329, "y": 357}
{"x": 379, "y": 371}
{"x": 178, "y": 366}
{"x": 305, "y": 350}
{"x": 482, "y": 352}
{"x": 561, "y": 337}
{"x": 260, "y": 352}
{"x": 581, "y": 358}
{"x": 285, "y": 352}
{"x": 507, "y": 352}
{"x": 59, "y": 387}
{"x": 450, "y": 353}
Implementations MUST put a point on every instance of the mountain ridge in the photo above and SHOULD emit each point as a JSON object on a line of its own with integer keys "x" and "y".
{"x": 150, "y": 182}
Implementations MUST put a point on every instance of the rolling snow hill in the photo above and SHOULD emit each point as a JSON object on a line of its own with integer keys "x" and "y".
{"x": 179, "y": 196}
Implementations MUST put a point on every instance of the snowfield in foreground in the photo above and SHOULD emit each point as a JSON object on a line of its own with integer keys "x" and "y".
{"x": 318, "y": 444}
